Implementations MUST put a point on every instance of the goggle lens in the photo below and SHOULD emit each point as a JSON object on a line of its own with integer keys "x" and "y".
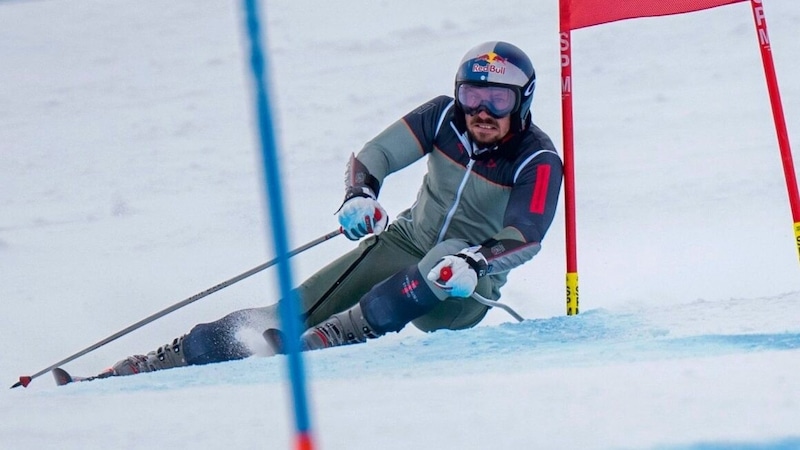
{"x": 498, "y": 101}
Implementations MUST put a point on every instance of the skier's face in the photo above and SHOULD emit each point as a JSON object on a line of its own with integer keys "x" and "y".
{"x": 485, "y": 129}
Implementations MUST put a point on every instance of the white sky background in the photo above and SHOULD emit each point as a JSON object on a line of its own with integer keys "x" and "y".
{"x": 130, "y": 181}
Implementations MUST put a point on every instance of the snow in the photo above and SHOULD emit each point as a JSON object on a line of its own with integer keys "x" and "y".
{"x": 130, "y": 181}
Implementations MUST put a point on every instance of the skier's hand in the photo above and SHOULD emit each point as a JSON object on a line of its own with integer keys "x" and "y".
{"x": 361, "y": 214}
{"x": 458, "y": 274}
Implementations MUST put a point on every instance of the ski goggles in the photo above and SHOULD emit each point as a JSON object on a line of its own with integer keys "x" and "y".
{"x": 498, "y": 101}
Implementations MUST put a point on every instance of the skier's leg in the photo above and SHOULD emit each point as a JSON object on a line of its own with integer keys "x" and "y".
{"x": 391, "y": 304}
{"x": 330, "y": 297}
{"x": 429, "y": 308}
{"x": 388, "y": 306}
{"x": 333, "y": 289}
{"x": 206, "y": 343}
{"x": 340, "y": 284}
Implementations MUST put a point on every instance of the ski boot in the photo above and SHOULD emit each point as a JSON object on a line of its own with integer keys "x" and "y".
{"x": 165, "y": 357}
{"x": 345, "y": 328}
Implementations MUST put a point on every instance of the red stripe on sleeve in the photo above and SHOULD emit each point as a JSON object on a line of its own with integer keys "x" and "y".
{"x": 539, "y": 197}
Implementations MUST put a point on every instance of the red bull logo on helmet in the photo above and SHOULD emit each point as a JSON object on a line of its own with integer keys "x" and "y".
{"x": 489, "y": 63}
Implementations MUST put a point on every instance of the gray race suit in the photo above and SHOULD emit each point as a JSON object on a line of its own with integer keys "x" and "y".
{"x": 503, "y": 200}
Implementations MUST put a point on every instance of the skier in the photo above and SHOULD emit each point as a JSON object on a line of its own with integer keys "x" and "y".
{"x": 485, "y": 204}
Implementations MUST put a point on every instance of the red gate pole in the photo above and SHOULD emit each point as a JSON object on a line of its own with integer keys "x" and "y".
{"x": 777, "y": 114}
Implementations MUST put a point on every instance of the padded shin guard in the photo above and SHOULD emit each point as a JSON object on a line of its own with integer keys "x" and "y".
{"x": 399, "y": 299}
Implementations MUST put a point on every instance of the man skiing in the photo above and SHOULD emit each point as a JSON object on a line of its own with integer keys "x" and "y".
{"x": 485, "y": 204}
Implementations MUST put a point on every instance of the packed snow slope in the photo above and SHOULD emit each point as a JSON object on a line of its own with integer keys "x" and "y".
{"x": 130, "y": 181}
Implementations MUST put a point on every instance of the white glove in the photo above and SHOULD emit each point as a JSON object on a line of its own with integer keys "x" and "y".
{"x": 361, "y": 214}
{"x": 458, "y": 274}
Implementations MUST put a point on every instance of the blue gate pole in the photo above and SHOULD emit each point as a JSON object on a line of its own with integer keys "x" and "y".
{"x": 290, "y": 316}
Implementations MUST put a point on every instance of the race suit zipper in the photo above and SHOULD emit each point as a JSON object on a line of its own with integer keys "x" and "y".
{"x": 452, "y": 211}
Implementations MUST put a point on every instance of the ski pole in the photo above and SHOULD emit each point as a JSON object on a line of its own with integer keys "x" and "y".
{"x": 491, "y": 303}
{"x": 26, "y": 379}
{"x": 447, "y": 272}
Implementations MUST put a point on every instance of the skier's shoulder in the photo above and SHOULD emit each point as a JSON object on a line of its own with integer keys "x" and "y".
{"x": 535, "y": 149}
{"x": 536, "y": 144}
{"x": 426, "y": 120}
{"x": 534, "y": 137}
{"x": 433, "y": 108}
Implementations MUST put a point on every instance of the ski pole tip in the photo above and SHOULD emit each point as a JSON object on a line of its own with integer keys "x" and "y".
{"x": 24, "y": 381}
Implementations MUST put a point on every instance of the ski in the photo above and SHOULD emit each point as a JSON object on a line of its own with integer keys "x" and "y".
{"x": 63, "y": 377}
